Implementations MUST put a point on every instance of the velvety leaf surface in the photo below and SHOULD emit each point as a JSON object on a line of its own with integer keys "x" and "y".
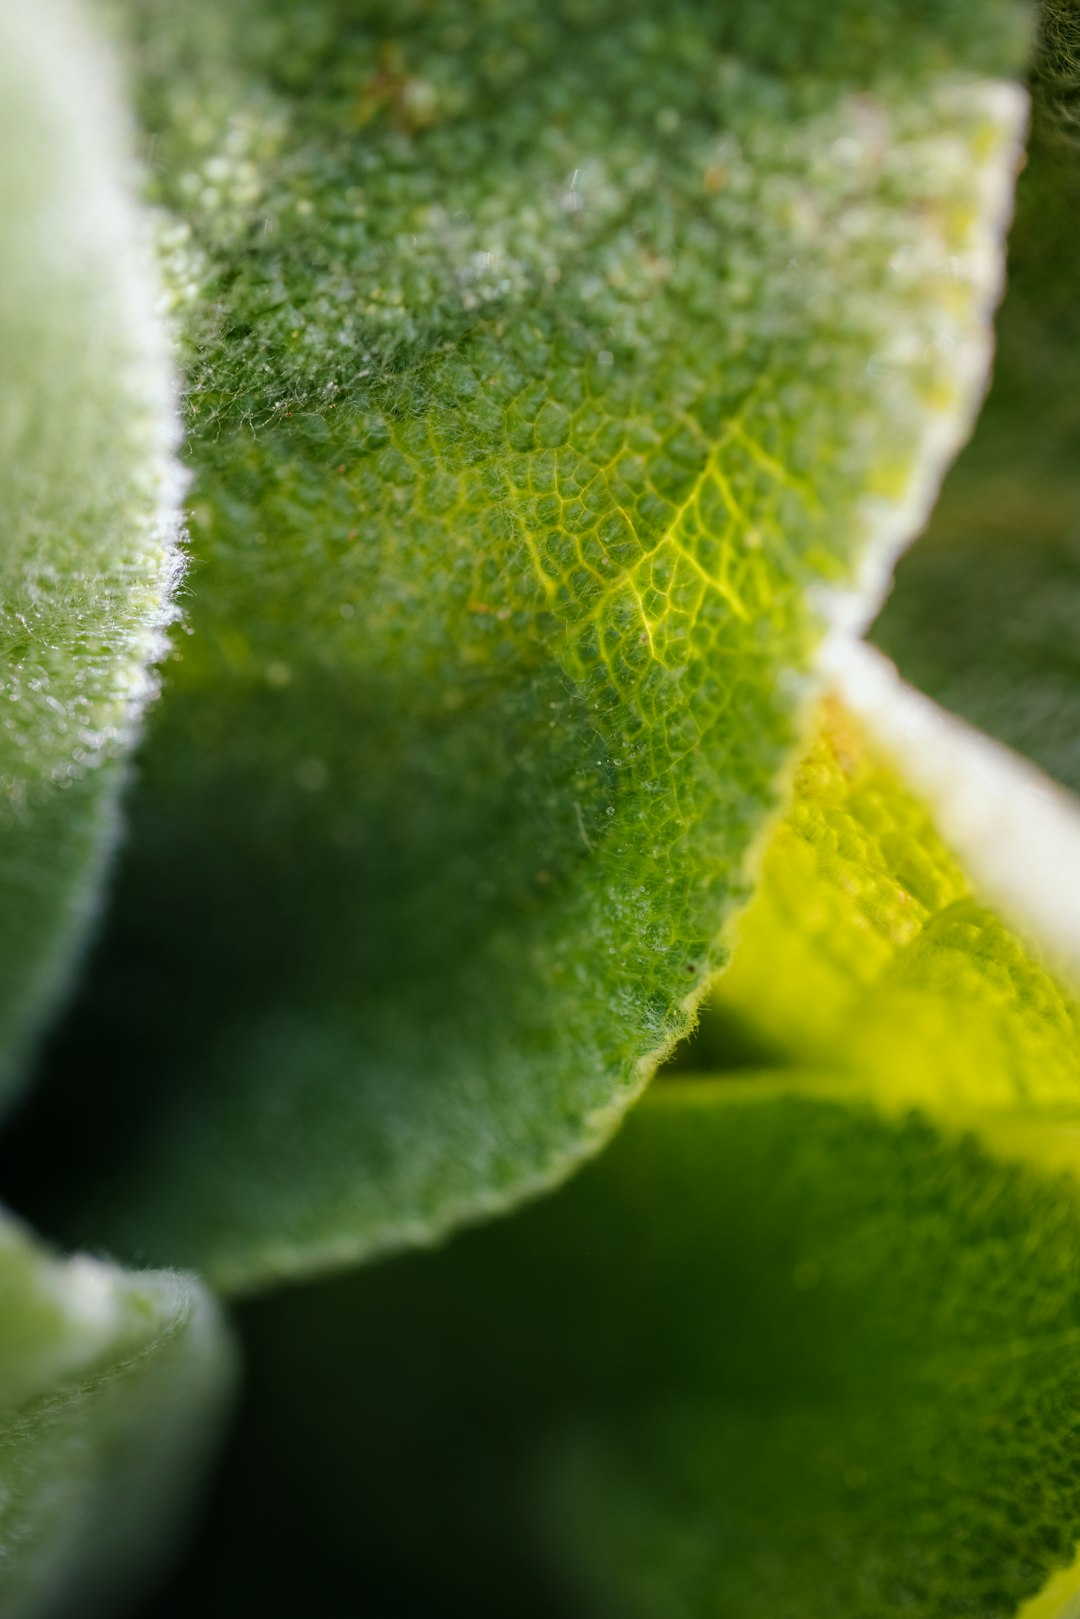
{"x": 112, "y": 1386}
{"x": 544, "y": 361}
{"x": 87, "y": 487}
{"x": 866, "y": 951}
{"x": 985, "y": 608}
{"x": 767, "y": 1355}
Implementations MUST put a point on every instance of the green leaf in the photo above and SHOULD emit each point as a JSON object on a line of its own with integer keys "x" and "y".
{"x": 546, "y": 364}
{"x": 767, "y": 1355}
{"x": 87, "y": 496}
{"x": 112, "y": 1387}
{"x": 984, "y": 613}
{"x": 871, "y": 951}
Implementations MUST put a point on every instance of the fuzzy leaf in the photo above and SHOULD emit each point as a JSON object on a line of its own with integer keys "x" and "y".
{"x": 545, "y": 363}
{"x": 112, "y": 1386}
{"x": 869, "y": 951}
{"x": 985, "y": 608}
{"x": 87, "y": 487}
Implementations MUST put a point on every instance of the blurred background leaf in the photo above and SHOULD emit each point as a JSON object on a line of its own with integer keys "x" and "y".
{"x": 767, "y": 1354}
{"x": 113, "y": 1387}
{"x": 88, "y": 492}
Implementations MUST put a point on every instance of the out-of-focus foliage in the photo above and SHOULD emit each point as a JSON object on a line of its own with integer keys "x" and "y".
{"x": 112, "y": 1387}
{"x": 769, "y": 1354}
{"x": 86, "y": 481}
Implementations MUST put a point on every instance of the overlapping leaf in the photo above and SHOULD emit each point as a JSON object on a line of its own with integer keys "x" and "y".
{"x": 544, "y": 361}
{"x": 867, "y": 951}
{"x": 86, "y": 484}
{"x": 111, "y": 1388}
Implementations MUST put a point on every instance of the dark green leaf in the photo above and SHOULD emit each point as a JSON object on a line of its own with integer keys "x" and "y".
{"x": 767, "y": 1355}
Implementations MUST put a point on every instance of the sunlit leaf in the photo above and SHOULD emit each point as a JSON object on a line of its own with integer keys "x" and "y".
{"x": 869, "y": 951}
{"x": 546, "y": 363}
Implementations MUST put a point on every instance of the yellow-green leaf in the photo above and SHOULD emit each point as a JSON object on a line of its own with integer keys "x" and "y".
{"x": 871, "y": 951}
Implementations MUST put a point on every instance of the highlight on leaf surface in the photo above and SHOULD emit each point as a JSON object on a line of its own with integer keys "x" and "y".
{"x": 87, "y": 494}
{"x": 983, "y": 615}
{"x": 558, "y": 376}
{"x": 769, "y": 1354}
{"x": 112, "y": 1388}
{"x": 871, "y": 952}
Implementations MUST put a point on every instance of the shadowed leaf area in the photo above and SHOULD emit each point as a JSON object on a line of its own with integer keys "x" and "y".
{"x": 766, "y": 1355}
{"x": 543, "y": 361}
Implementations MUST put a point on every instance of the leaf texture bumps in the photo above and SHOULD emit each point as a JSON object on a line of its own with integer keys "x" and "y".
{"x": 545, "y": 365}
{"x": 87, "y": 494}
{"x": 869, "y": 951}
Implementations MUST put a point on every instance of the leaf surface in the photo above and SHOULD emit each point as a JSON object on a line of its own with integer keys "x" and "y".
{"x": 112, "y": 1386}
{"x": 803, "y": 1340}
{"x": 786, "y": 1345}
{"x": 869, "y": 950}
{"x": 544, "y": 362}
{"x": 87, "y": 496}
